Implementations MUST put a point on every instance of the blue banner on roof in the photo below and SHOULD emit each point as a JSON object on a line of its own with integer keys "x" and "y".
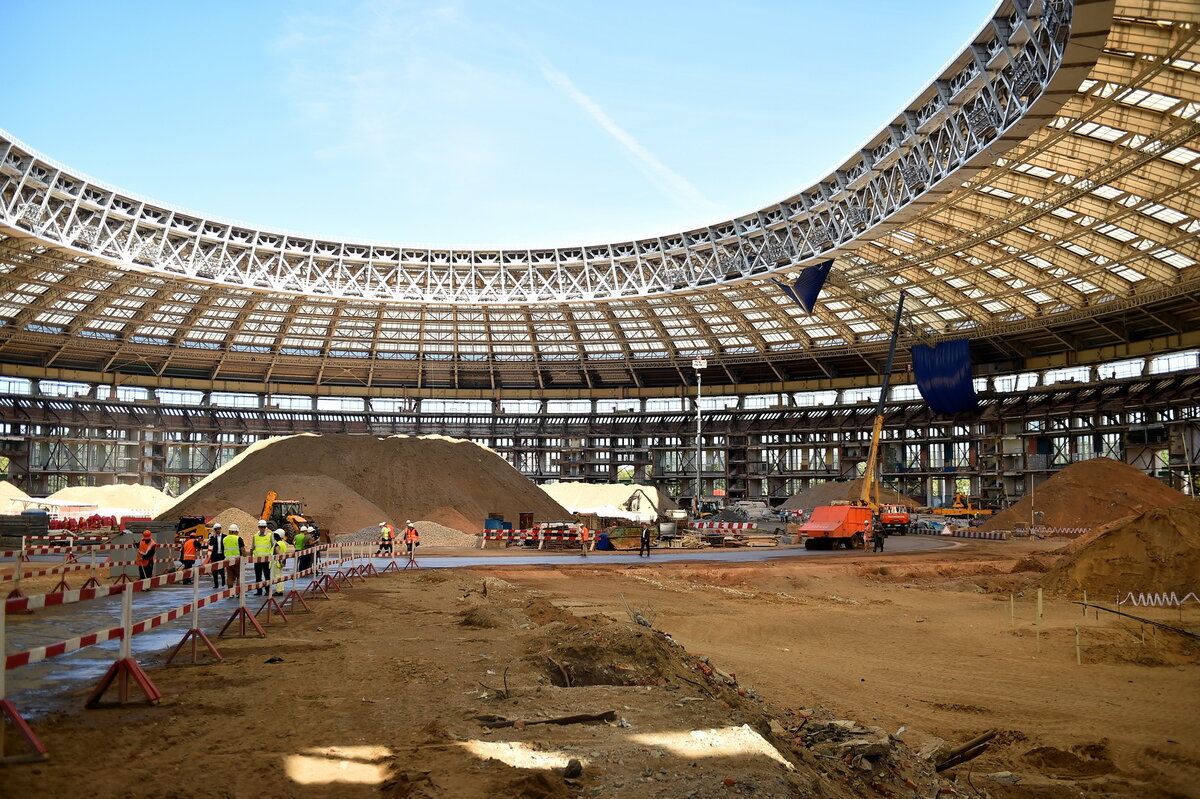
{"x": 807, "y": 288}
{"x": 943, "y": 374}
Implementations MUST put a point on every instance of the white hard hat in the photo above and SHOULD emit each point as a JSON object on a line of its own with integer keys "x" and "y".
{"x": 383, "y": 524}
{"x": 216, "y": 525}
{"x": 305, "y": 528}
{"x": 409, "y": 521}
{"x": 233, "y": 528}
{"x": 262, "y": 522}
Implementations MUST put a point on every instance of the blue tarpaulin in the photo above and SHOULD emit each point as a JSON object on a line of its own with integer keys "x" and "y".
{"x": 808, "y": 286}
{"x": 943, "y": 374}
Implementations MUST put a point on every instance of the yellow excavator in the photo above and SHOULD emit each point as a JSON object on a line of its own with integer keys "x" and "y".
{"x": 963, "y": 506}
{"x": 284, "y": 514}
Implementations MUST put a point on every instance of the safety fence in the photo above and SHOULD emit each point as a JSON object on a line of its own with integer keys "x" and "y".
{"x": 326, "y": 567}
{"x": 1044, "y": 531}
{"x": 524, "y": 537}
{"x": 22, "y": 559}
{"x": 1157, "y": 600}
{"x": 722, "y": 525}
{"x": 967, "y": 534}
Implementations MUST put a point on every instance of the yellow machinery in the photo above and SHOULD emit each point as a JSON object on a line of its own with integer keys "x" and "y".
{"x": 284, "y": 514}
{"x": 869, "y": 497}
{"x": 962, "y": 507}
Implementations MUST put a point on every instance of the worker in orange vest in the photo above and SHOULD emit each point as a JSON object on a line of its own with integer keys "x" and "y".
{"x": 190, "y": 550}
{"x": 412, "y": 538}
{"x": 585, "y": 536}
{"x": 145, "y": 556}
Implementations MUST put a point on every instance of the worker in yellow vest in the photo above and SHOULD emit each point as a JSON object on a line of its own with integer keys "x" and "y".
{"x": 264, "y": 545}
{"x": 234, "y": 548}
{"x": 281, "y": 549}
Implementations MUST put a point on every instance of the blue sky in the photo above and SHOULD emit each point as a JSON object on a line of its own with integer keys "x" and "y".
{"x": 497, "y": 122}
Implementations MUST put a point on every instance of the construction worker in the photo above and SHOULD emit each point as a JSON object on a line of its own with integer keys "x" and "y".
{"x": 300, "y": 542}
{"x": 877, "y": 538}
{"x": 190, "y": 550}
{"x": 281, "y": 549}
{"x": 644, "y": 544}
{"x": 263, "y": 546}
{"x": 386, "y": 535}
{"x": 233, "y": 548}
{"x": 412, "y": 538}
{"x": 314, "y": 542}
{"x": 585, "y": 536}
{"x": 145, "y": 556}
{"x": 216, "y": 554}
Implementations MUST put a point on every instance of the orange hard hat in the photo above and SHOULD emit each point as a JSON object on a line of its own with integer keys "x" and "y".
{"x": 146, "y": 533}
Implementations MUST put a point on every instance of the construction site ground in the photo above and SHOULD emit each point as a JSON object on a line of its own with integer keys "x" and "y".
{"x": 386, "y": 688}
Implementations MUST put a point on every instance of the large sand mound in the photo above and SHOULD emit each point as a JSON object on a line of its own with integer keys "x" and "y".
{"x": 116, "y": 497}
{"x": 576, "y": 496}
{"x": 1152, "y": 552}
{"x": 824, "y": 493}
{"x": 9, "y": 493}
{"x": 1088, "y": 494}
{"x": 351, "y": 482}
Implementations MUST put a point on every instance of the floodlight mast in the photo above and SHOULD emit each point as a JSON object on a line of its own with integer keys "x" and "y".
{"x": 698, "y": 364}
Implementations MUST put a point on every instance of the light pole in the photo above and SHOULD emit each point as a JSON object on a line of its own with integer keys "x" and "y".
{"x": 698, "y": 364}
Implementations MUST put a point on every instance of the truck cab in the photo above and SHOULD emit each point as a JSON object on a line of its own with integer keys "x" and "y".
{"x": 894, "y": 520}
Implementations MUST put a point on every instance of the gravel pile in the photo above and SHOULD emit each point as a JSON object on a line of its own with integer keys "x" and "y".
{"x": 432, "y": 535}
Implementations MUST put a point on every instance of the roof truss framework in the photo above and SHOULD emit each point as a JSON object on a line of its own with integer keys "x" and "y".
{"x": 1012, "y": 195}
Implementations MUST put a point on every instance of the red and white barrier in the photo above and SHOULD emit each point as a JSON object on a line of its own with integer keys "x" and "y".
{"x": 722, "y": 525}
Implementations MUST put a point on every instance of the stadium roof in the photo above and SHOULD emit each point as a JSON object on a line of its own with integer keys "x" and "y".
{"x": 1039, "y": 196}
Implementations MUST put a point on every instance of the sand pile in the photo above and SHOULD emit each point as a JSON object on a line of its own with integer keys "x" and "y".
{"x": 1152, "y": 552}
{"x": 116, "y": 497}
{"x": 244, "y": 521}
{"x": 581, "y": 497}
{"x": 432, "y": 535}
{"x": 824, "y": 493}
{"x": 351, "y": 482}
{"x": 1088, "y": 494}
{"x": 8, "y": 493}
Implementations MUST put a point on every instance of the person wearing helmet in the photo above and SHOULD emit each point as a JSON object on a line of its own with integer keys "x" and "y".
{"x": 412, "y": 538}
{"x": 216, "y": 555}
{"x": 145, "y": 556}
{"x": 234, "y": 548}
{"x": 386, "y": 535}
{"x": 300, "y": 542}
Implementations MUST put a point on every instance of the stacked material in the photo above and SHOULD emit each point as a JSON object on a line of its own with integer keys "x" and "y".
{"x": 116, "y": 500}
{"x": 1088, "y": 494}
{"x": 244, "y": 521}
{"x": 1153, "y": 552}
{"x": 824, "y": 493}
{"x": 641, "y": 503}
{"x": 348, "y": 483}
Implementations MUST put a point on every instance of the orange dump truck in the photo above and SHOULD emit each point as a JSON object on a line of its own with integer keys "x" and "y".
{"x": 831, "y": 526}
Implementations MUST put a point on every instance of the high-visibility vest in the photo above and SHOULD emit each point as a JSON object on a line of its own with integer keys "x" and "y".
{"x": 411, "y": 535}
{"x": 232, "y": 545}
{"x": 145, "y": 551}
{"x": 299, "y": 541}
{"x": 189, "y": 549}
{"x": 262, "y": 544}
{"x": 385, "y": 533}
{"x": 281, "y": 547}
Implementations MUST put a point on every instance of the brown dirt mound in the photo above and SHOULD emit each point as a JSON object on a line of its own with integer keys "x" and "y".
{"x": 351, "y": 482}
{"x": 1088, "y": 494}
{"x": 1152, "y": 552}
{"x": 824, "y": 493}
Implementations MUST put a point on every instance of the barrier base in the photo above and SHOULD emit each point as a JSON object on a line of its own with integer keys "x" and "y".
{"x": 368, "y": 571}
{"x": 9, "y": 713}
{"x": 391, "y": 567}
{"x": 60, "y": 586}
{"x": 197, "y": 637}
{"x": 316, "y": 586}
{"x": 243, "y": 617}
{"x": 92, "y": 582}
{"x": 122, "y": 578}
{"x": 289, "y": 602}
{"x": 411, "y": 564}
{"x": 16, "y": 593}
{"x": 268, "y": 606}
{"x": 124, "y": 671}
{"x": 339, "y": 579}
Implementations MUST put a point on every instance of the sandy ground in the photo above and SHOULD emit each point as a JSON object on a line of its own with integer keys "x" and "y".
{"x": 384, "y": 689}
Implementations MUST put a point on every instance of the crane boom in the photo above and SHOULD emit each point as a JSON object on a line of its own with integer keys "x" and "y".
{"x": 870, "y": 489}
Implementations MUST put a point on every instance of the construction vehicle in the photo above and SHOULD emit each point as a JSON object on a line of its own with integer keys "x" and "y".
{"x": 284, "y": 514}
{"x": 710, "y": 506}
{"x": 894, "y": 520}
{"x": 189, "y": 526}
{"x": 854, "y": 523}
{"x": 963, "y": 506}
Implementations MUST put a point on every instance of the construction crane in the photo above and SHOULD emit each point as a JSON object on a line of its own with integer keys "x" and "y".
{"x": 848, "y": 524}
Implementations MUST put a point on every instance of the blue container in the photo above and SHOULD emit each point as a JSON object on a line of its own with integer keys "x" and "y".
{"x": 493, "y": 524}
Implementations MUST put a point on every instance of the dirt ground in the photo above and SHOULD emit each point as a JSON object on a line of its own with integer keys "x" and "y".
{"x": 387, "y": 689}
